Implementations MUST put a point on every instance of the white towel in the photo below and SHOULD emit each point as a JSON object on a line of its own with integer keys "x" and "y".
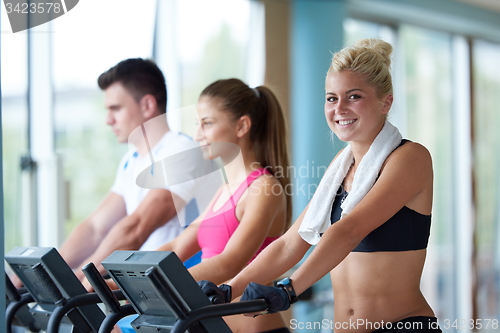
{"x": 317, "y": 218}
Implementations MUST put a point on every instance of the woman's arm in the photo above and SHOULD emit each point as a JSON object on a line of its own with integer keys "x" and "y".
{"x": 274, "y": 261}
{"x": 406, "y": 177}
{"x": 186, "y": 244}
{"x": 261, "y": 208}
{"x": 289, "y": 249}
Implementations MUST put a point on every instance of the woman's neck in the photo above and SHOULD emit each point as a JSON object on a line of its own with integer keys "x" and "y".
{"x": 358, "y": 151}
{"x": 238, "y": 169}
{"x": 360, "y": 148}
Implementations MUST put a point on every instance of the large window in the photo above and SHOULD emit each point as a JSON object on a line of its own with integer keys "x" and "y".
{"x": 14, "y": 126}
{"x": 428, "y": 82}
{"x": 486, "y": 74}
{"x": 81, "y": 52}
{"x": 214, "y": 40}
{"x": 213, "y": 43}
{"x": 206, "y": 41}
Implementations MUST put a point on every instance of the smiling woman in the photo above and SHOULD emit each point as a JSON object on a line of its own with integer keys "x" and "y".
{"x": 351, "y": 103}
{"x": 359, "y": 90}
{"x": 374, "y": 242}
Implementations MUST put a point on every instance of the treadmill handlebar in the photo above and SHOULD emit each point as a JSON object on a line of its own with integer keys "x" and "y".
{"x": 219, "y": 310}
{"x": 101, "y": 288}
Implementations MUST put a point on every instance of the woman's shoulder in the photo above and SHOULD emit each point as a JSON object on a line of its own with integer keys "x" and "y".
{"x": 266, "y": 180}
{"x": 266, "y": 186}
{"x": 265, "y": 192}
{"x": 413, "y": 148}
{"x": 411, "y": 155}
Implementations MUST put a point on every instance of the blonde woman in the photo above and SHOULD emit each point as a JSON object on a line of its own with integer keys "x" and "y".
{"x": 369, "y": 218}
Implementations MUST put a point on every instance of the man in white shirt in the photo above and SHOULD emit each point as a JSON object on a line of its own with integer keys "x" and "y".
{"x": 131, "y": 217}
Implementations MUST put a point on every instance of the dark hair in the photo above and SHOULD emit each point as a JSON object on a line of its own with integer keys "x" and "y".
{"x": 140, "y": 77}
{"x": 268, "y": 131}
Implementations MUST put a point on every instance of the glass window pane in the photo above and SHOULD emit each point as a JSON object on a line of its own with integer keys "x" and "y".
{"x": 213, "y": 43}
{"x": 428, "y": 82}
{"x": 89, "y": 149}
{"x": 14, "y": 125}
{"x": 96, "y": 35}
{"x": 486, "y": 81}
{"x": 81, "y": 52}
{"x": 356, "y": 29}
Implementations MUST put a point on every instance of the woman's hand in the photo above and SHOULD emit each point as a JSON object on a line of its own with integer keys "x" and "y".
{"x": 222, "y": 292}
{"x": 276, "y": 297}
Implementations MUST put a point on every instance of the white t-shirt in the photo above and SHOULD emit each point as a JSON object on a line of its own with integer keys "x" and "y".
{"x": 171, "y": 145}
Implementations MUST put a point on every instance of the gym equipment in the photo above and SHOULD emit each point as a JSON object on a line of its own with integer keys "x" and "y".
{"x": 53, "y": 285}
{"x": 108, "y": 297}
{"x": 17, "y": 309}
{"x": 165, "y": 295}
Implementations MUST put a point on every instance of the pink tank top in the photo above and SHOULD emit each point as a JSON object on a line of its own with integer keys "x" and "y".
{"x": 217, "y": 227}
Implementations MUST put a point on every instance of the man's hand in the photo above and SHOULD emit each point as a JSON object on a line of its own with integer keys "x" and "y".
{"x": 16, "y": 281}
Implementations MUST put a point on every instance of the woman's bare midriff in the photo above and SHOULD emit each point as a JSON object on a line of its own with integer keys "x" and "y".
{"x": 248, "y": 324}
{"x": 378, "y": 286}
{"x": 242, "y": 324}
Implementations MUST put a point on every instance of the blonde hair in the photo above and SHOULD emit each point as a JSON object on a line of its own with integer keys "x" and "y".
{"x": 369, "y": 58}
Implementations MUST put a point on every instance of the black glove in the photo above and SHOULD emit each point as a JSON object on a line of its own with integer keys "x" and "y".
{"x": 277, "y": 297}
{"x": 222, "y": 292}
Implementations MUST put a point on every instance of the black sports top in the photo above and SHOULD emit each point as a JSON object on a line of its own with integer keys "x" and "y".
{"x": 407, "y": 230}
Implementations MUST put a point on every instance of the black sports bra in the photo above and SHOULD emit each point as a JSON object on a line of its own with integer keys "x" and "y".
{"x": 407, "y": 230}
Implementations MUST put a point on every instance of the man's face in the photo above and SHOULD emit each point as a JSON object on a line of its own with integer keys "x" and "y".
{"x": 124, "y": 112}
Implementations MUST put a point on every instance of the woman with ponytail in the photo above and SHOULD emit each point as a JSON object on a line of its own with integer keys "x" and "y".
{"x": 252, "y": 209}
